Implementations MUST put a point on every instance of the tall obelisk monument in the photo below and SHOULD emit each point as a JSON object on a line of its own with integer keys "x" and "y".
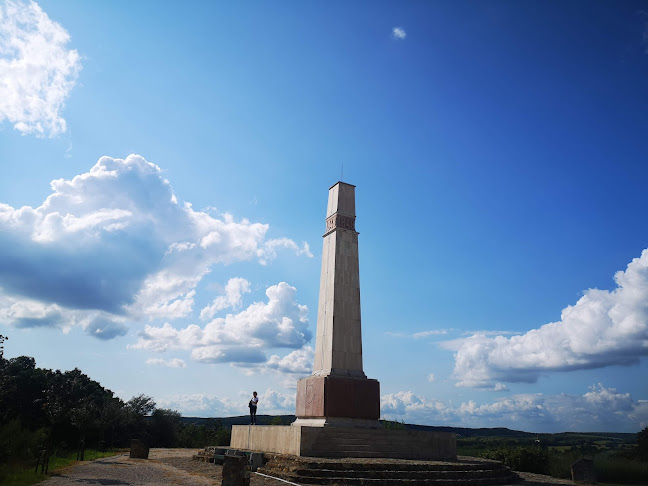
{"x": 338, "y": 393}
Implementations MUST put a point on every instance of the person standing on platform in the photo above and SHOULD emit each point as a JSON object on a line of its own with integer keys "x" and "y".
{"x": 253, "y": 408}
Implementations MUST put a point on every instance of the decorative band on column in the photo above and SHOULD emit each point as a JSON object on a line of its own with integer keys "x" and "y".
{"x": 335, "y": 221}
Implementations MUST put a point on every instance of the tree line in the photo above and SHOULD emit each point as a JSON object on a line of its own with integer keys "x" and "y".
{"x": 50, "y": 409}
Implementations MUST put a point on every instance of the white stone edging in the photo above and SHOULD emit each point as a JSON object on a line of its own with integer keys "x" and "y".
{"x": 278, "y": 479}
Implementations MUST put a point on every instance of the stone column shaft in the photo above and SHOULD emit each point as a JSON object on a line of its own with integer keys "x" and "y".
{"x": 338, "y": 348}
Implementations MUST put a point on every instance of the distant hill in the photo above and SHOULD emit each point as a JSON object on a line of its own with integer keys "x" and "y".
{"x": 465, "y": 432}
{"x": 241, "y": 420}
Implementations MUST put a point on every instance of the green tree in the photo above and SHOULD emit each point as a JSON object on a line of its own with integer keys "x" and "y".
{"x": 2, "y": 340}
{"x": 22, "y": 392}
{"x": 113, "y": 418}
{"x": 137, "y": 409}
{"x": 165, "y": 425}
{"x": 140, "y": 406}
{"x": 642, "y": 444}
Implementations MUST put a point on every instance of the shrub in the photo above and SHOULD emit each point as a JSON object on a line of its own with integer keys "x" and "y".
{"x": 394, "y": 425}
{"x": 18, "y": 443}
{"x": 527, "y": 459}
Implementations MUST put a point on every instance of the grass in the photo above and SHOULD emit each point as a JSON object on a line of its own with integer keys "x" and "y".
{"x": 22, "y": 474}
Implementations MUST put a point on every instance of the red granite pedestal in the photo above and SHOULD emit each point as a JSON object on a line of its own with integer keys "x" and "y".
{"x": 332, "y": 396}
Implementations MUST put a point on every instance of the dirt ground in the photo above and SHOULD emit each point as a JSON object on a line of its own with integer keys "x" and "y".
{"x": 176, "y": 467}
{"x": 181, "y": 460}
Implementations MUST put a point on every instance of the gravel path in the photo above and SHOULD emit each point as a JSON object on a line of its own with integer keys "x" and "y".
{"x": 164, "y": 467}
{"x": 174, "y": 467}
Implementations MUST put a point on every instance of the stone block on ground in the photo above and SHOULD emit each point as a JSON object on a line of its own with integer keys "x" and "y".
{"x": 256, "y": 461}
{"x": 138, "y": 449}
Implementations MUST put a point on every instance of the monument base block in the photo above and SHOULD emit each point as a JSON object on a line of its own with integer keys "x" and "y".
{"x": 328, "y": 397}
{"x": 345, "y": 442}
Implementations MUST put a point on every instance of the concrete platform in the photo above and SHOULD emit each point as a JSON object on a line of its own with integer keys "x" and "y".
{"x": 345, "y": 442}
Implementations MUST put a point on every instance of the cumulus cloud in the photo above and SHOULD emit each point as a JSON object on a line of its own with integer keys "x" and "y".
{"x": 172, "y": 363}
{"x": 271, "y": 402}
{"x": 299, "y": 362}
{"x": 30, "y": 313}
{"x": 234, "y": 291}
{"x": 414, "y": 408}
{"x": 114, "y": 243}
{"x": 399, "y": 33}
{"x": 601, "y": 409}
{"x": 37, "y": 70}
{"x": 290, "y": 368}
{"x": 269, "y": 250}
{"x": 201, "y": 405}
{"x": 603, "y": 328}
{"x": 241, "y": 337}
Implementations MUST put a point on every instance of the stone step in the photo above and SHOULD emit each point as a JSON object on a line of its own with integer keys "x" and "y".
{"x": 343, "y": 471}
{"x": 361, "y": 481}
{"x": 395, "y": 474}
{"x": 401, "y": 465}
{"x": 368, "y": 454}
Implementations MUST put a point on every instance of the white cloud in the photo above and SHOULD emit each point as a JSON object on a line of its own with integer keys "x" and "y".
{"x": 29, "y": 313}
{"x": 276, "y": 403}
{"x": 424, "y": 334}
{"x": 241, "y": 337}
{"x": 290, "y": 368}
{"x": 269, "y": 249}
{"x": 234, "y": 291}
{"x": 414, "y": 408}
{"x": 299, "y": 362}
{"x": 399, "y": 33}
{"x": 172, "y": 363}
{"x": 37, "y": 71}
{"x": 271, "y": 402}
{"x": 431, "y": 377}
{"x": 418, "y": 335}
{"x": 600, "y": 409}
{"x": 115, "y": 242}
{"x": 201, "y": 405}
{"x": 603, "y": 328}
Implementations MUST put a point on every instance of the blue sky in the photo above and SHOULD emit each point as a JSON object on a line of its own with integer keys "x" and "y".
{"x": 164, "y": 182}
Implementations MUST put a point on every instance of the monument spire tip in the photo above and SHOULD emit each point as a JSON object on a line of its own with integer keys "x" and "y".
{"x": 341, "y": 182}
